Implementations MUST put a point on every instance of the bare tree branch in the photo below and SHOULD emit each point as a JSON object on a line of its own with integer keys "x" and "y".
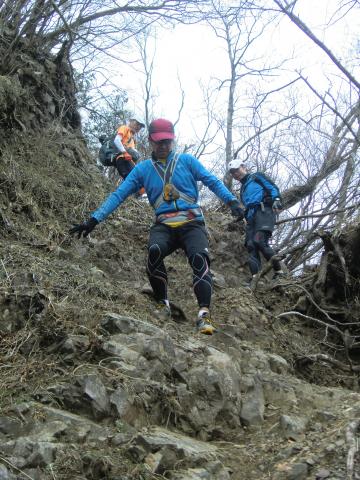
{"x": 304, "y": 28}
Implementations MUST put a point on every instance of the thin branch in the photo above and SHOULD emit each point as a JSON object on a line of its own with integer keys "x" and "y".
{"x": 335, "y": 212}
{"x": 338, "y": 114}
{"x": 304, "y": 28}
{"x": 260, "y": 132}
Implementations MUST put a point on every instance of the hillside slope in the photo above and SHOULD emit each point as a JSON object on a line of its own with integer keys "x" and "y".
{"x": 94, "y": 384}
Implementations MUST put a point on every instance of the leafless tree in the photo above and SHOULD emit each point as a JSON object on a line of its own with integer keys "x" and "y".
{"x": 51, "y": 24}
{"x": 239, "y": 29}
{"x": 311, "y": 152}
{"x": 146, "y": 45}
{"x": 34, "y": 33}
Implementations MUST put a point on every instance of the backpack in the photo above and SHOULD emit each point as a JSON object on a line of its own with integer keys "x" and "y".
{"x": 108, "y": 151}
{"x": 257, "y": 177}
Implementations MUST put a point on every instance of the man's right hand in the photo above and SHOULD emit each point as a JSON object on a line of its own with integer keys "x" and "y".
{"x": 277, "y": 205}
{"x": 236, "y": 210}
{"x": 83, "y": 229}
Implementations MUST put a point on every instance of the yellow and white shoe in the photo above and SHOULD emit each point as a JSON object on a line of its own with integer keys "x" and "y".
{"x": 205, "y": 325}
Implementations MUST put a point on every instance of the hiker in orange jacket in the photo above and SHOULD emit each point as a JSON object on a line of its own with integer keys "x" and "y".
{"x": 125, "y": 142}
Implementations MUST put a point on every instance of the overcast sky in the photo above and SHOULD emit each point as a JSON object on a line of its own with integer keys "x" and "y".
{"x": 195, "y": 54}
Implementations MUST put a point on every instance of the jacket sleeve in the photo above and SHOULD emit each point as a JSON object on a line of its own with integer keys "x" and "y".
{"x": 118, "y": 143}
{"x": 268, "y": 185}
{"x": 130, "y": 185}
{"x": 119, "y": 138}
{"x": 213, "y": 183}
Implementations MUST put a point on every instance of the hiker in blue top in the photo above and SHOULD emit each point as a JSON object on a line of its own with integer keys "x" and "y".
{"x": 262, "y": 201}
{"x": 170, "y": 180}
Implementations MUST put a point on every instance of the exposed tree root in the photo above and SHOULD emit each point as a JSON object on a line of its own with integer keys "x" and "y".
{"x": 353, "y": 441}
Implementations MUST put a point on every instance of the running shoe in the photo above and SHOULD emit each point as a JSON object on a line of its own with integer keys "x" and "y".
{"x": 205, "y": 325}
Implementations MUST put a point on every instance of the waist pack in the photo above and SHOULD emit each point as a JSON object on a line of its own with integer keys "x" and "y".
{"x": 108, "y": 151}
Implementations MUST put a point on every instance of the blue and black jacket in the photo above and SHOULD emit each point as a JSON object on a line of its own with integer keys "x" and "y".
{"x": 188, "y": 171}
{"x": 257, "y": 188}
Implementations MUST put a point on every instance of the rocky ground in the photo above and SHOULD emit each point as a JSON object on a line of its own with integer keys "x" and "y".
{"x": 96, "y": 384}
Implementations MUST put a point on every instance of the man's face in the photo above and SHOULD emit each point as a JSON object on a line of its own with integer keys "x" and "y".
{"x": 163, "y": 148}
{"x": 239, "y": 173}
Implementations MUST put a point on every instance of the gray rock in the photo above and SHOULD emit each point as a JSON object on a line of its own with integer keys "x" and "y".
{"x": 75, "y": 344}
{"x": 322, "y": 474}
{"x": 217, "y": 470}
{"x": 114, "y": 323}
{"x": 29, "y": 453}
{"x": 124, "y": 436}
{"x": 160, "y": 348}
{"x": 212, "y": 394}
{"x": 166, "y": 458}
{"x": 95, "y": 391}
{"x": 10, "y": 426}
{"x": 115, "y": 347}
{"x": 123, "y": 404}
{"x": 278, "y": 364}
{"x": 79, "y": 428}
{"x": 210, "y": 471}
{"x": 299, "y": 471}
{"x": 192, "y": 474}
{"x": 146, "y": 288}
{"x": 293, "y": 427}
{"x": 48, "y": 431}
{"x": 141, "y": 355}
{"x": 287, "y": 453}
{"x": 253, "y": 360}
{"x": 278, "y": 391}
{"x": 5, "y": 474}
{"x": 253, "y": 407}
{"x": 156, "y": 438}
{"x": 326, "y": 416}
{"x": 66, "y": 394}
{"x": 16, "y": 461}
{"x": 218, "y": 279}
{"x": 35, "y": 474}
{"x": 137, "y": 452}
{"x": 153, "y": 461}
{"x": 43, "y": 454}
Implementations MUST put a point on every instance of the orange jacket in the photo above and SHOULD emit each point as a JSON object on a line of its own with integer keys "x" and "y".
{"x": 127, "y": 139}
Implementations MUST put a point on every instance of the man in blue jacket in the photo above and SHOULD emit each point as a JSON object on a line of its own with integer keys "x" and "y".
{"x": 262, "y": 201}
{"x": 170, "y": 180}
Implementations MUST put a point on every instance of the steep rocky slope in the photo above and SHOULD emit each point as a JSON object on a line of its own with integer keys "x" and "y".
{"x": 95, "y": 384}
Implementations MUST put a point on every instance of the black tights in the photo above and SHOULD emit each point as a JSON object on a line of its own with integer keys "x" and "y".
{"x": 260, "y": 243}
{"x": 202, "y": 279}
{"x": 124, "y": 167}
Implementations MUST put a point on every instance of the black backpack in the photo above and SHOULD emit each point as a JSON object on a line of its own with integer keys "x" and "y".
{"x": 108, "y": 151}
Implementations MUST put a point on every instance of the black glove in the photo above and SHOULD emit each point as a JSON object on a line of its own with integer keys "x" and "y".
{"x": 277, "y": 205}
{"x": 84, "y": 228}
{"x": 236, "y": 210}
{"x": 135, "y": 155}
